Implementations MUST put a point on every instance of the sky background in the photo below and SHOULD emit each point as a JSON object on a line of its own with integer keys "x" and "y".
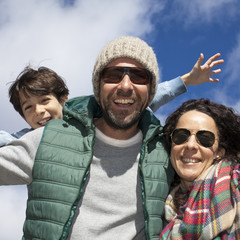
{"x": 67, "y": 36}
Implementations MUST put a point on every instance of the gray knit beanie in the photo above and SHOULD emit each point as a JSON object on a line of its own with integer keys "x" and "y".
{"x": 126, "y": 47}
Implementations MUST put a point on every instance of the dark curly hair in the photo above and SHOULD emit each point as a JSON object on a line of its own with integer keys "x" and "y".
{"x": 227, "y": 122}
{"x": 228, "y": 126}
{"x": 42, "y": 81}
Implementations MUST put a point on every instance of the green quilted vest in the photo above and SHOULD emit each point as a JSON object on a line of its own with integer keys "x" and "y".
{"x": 61, "y": 167}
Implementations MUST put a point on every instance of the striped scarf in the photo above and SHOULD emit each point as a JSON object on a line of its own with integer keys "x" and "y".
{"x": 212, "y": 210}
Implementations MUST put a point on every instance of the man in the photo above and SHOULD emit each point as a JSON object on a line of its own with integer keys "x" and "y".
{"x": 114, "y": 196}
{"x": 103, "y": 171}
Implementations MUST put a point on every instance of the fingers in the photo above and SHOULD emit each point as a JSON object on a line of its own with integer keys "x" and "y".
{"x": 213, "y": 80}
{"x": 200, "y": 60}
{"x": 215, "y": 71}
{"x": 215, "y": 63}
{"x": 213, "y": 58}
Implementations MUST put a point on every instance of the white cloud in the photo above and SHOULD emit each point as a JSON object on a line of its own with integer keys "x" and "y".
{"x": 237, "y": 107}
{"x": 233, "y": 64}
{"x": 231, "y": 87}
{"x": 66, "y": 39}
{"x": 204, "y": 11}
{"x": 12, "y": 211}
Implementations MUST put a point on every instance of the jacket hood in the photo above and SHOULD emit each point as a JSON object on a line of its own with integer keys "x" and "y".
{"x": 83, "y": 109}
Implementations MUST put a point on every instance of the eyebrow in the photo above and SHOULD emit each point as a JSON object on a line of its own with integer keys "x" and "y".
{"x": 22, "y": 104}
{"x": 25, "y": 101}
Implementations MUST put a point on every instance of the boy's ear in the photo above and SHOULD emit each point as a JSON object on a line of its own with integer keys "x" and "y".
{"x": 64, "y": 99}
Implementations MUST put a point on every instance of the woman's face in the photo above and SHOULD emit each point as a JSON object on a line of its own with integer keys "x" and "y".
{"x": 190, "y": 158}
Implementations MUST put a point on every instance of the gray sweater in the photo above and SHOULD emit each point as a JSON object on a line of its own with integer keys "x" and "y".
{"x": 17, "y": 158}
{"x": 16, "y": 163}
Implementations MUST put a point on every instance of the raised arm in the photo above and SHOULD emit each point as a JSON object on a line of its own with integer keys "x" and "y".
{"x": 203, "y": 73}
{"x": 168, "y": 90}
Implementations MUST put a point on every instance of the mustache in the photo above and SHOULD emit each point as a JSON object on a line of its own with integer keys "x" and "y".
{"x": 129, "y": 93}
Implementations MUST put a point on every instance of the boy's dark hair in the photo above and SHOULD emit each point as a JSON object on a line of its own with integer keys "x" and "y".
{"x": 42, "y": 81}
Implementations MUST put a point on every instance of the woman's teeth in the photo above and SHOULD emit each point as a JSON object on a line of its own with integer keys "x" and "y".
{"x": 189, "y": 160}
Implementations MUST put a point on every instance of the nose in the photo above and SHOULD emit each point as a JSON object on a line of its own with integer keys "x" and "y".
{"x": 125, "y": 83}
{"x": 39, "y": 109}
{"x": 191, "y": 143}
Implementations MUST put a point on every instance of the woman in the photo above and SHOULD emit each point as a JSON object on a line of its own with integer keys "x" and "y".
{"x": 204, "y": 142}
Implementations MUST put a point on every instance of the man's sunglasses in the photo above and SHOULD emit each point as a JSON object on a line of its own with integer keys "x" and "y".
{"x": 137, "y": 75}
{"x": 203, "y": 137}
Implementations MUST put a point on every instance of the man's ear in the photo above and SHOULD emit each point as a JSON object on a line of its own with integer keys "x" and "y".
{"x": 63, "y": 99}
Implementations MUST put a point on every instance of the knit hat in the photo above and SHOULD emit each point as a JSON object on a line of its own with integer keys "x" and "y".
{"x": 127, "y": 47}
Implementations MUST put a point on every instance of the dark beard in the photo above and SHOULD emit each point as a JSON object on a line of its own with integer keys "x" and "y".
{"x": 118, "y": 120}
{"x": 116, "y": 123}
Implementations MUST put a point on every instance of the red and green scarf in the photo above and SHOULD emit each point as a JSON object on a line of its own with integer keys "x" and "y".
{"x": 212, "y": 210}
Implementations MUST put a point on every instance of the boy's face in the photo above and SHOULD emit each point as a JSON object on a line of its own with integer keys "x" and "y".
{"x": 38, "y": 110}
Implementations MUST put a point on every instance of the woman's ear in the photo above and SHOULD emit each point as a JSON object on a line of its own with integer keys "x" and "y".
{"x": 221, "y": 153}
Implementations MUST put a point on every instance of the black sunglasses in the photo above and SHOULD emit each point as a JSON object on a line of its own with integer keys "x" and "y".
{"x": 203, "y": 137}
{"x": 137, "y": 75}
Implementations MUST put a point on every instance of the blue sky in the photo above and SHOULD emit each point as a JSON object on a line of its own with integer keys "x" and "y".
{"x": 67, "y": 36}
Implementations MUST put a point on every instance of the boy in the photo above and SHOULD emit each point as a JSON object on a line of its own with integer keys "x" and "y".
{"x": 38, "y": 96}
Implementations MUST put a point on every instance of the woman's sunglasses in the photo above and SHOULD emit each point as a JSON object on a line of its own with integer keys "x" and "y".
{"x": 203, "y": 137}
{"x": 137, "y": 75}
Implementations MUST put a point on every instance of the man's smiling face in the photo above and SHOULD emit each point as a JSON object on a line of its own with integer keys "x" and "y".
{"x": 122, "y": 103}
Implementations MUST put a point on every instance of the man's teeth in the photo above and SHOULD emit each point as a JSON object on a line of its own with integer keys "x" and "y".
{"x": 189, "y": 160}
{"x": 43, "y": 122}
{"x": 124, "y": 101}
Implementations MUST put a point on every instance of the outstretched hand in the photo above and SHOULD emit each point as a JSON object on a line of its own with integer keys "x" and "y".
{"x": 202, "y": 73}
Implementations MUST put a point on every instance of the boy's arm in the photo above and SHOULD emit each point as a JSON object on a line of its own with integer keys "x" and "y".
{"x": 167, "y": 91}
{"x": 5, "y": 138}
{"x": 202, "y": 73}
{"x": 21, "y": 132}
{"x": 17, "y": 158}
{"x": 198, "y": 75}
